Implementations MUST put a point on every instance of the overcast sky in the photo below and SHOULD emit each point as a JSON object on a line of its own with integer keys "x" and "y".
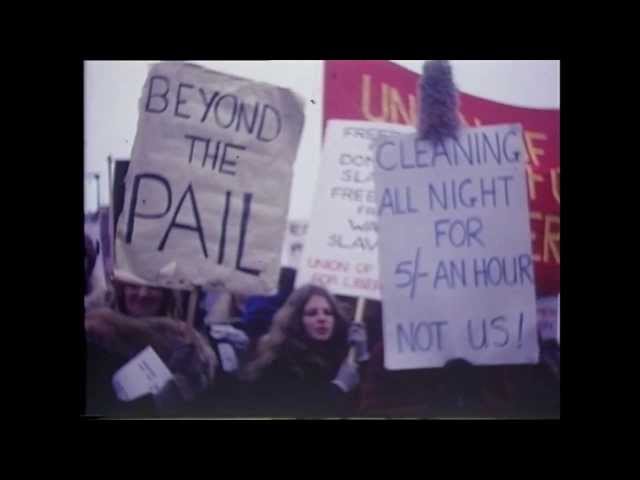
{"x": 112, "y": 90}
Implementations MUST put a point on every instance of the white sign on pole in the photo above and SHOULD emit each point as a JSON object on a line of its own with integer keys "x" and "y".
{"x": 341, "y": 248}
{"x": 455, "y": 249}
{"x": 207, "y": 191}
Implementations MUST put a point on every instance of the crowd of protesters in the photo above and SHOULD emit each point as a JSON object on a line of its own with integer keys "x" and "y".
{"x": 296, "y": 354}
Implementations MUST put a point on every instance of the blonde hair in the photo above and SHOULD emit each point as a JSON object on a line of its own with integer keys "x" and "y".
{"x": 287, "y": 332}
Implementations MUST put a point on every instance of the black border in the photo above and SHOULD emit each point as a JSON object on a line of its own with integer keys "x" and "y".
{"x": 79, "y": 194}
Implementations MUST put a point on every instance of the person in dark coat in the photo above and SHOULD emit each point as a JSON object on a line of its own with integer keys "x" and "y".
{"x": 141, "y": 317}
{"x": 301, "y": 367}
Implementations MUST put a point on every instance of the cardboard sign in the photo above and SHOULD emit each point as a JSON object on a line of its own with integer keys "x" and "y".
{"x": 455, "y": 249}
{"x": 341, "y": 249}
{"x": 207, "y": 190}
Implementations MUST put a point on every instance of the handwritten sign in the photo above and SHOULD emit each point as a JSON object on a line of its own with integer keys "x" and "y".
{"x": 207, "y": 191}
{"x": 341, "y": 249}
{"x": 455, "y": 249}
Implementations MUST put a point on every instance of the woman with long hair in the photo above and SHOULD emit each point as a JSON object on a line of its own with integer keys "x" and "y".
{"x": 301, "y": 367}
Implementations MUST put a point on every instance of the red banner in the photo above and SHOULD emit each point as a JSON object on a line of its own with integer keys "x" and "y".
{"x": 381, "y": 91}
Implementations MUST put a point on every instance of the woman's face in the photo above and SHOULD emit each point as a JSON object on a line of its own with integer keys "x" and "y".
{"x": 143, "y": 301}
{"x": 318, "y": 319}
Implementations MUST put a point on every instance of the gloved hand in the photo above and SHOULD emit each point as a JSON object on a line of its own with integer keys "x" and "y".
{"x": 358, "y": 339}
{"x": 191, "y": 374}
{"x": 227, "y": 333}
{"x": 348, "y": 377}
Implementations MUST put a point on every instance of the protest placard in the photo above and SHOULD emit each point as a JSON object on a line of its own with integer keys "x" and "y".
{"x": 341, "y": 249}
{"x": 207, "y": 190}
{"x": 455, "y": 249}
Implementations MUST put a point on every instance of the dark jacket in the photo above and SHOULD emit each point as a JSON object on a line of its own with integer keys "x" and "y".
{"x": 218, "y": 401}
{"x": 459, "y": 390}
{"x": 100, "y": 397}
{"x": 281, "y": 391}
